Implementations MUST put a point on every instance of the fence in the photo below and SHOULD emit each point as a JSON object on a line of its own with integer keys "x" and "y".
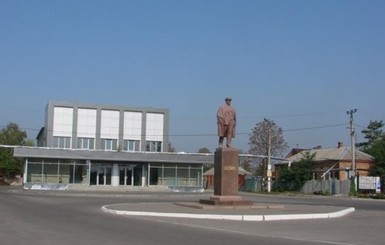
{"x": 330, "y": 187}
{"x": 327, "y": 187}
{"x": 254, "y": 184}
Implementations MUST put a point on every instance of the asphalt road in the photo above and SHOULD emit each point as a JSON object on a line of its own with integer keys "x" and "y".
{"x": 48, "y": 218}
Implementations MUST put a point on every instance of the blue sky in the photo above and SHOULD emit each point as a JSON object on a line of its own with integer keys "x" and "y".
{"x": 302, "y": 64}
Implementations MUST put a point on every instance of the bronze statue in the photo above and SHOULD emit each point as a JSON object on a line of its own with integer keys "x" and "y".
{"x": 226, "y": 119}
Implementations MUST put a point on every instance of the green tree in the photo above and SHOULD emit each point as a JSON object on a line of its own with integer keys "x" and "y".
{"x": 293, "y": 178}
{"x": 265, "y": 132}
{"x": 204, "y": 150}
{"x": 372, "y": 133}
{"x": 375, "y": 146}
{"x": 11, "y": 135}
{"x": 377, "y": 150}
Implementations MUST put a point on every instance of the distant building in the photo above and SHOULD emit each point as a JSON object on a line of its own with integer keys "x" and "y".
{"x": 333, "y": 163}
{"x": 209, "y": 178}
{"x": 88, "y": 144}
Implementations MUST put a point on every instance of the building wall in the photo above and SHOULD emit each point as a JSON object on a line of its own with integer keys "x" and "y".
{"x": 344, "y": 166}
{"x": 88, "y": 126}
{"x": 363, "y": 168}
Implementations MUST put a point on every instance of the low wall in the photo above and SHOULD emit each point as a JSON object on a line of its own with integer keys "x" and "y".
{"x": 331, "y": 187}
{"x": 45, "y": 186}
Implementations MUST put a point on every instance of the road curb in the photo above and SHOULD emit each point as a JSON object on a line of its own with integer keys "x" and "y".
{"x": 271, "y": 217}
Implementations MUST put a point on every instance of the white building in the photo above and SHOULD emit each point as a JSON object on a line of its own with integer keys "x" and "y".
{"x": 87, "y": 144}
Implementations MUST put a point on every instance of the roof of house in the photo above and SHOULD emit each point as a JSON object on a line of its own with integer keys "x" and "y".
{"x": 294, "y": 151}
{"x": 241, "y": 171}
{"x": 332, "y": 154}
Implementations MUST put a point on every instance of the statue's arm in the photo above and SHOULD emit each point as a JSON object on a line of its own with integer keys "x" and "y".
{"x": 220, "y": 116}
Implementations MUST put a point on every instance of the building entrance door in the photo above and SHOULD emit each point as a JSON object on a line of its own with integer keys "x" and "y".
{"x": 131, "y": 174}
{"x": 138, "y": 174}
{"x": 104, "y": 175}
{"x": 101, "y": 175}
{"x": 125, "y": 175}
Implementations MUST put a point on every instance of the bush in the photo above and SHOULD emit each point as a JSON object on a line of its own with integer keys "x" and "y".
{"x": 293, "y": 178}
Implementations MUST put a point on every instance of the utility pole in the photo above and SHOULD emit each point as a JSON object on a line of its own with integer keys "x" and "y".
{"x": 352, "y": 139}
{"x": 269, "y": 173}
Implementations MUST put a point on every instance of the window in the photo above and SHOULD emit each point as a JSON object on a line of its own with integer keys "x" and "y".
{"x": 154, "y": 146}
{"x": 109, "y": 144}
{"x": 62, "y": 142}
{"x": 85, "y": 143}
{"x": 131, "y": 145}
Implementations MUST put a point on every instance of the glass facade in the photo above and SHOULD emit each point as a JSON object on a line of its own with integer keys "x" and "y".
{"x": 58, "y": 171}
{"x": 127, "y": 174}
{"x": 175, "y": 174}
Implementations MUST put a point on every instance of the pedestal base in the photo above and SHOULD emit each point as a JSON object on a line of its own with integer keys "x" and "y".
{"x": 226, "y": 172}
{"x": 226, "y": 201}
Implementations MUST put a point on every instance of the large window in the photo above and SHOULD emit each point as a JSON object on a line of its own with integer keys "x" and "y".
{"x": 62, "y": 142}
{"x": 131, "y": 145}
{"x": 132, "y": 131}
{"x": 154, "y": 132}
{"x": 176, "y": 175}
{"x": 110, "y": 144}
{"x": 62, "y": 122}
{"x": 60, "y": 171}
{"x": 86, "y": 143}
{"x": 86, "y": 123}
{"x": 154, "y": 146}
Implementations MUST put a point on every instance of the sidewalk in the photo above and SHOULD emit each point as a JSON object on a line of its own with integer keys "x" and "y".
{"x": 257, "y": 212}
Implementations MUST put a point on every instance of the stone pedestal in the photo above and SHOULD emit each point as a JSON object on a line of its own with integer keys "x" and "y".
{"x": 226, "y": 179}
{"x": 226, "y": 172}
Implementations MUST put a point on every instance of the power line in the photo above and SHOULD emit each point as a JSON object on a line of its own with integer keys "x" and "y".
{"x": 214, "y": 134}
{"x": 316, "y": 127}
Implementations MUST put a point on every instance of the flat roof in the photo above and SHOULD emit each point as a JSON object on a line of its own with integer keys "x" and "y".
{"x": 153, "y": 157}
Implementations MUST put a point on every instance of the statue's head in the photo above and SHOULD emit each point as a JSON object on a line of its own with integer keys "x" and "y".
{"x": 228, "y": 100}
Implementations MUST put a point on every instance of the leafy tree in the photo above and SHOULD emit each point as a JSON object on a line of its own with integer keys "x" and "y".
{"x": 204, "y": 150}
{"x": 377, "y": 150}
{"x": 293, "y": 178}
{"x": 375, "y": 146}
{"x": 372, "y": 133}
{"x": 259, "y": 143}
{"x": 11, "y": 135}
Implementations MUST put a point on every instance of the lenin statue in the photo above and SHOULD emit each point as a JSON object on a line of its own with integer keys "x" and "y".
{"x": 226, "y": 119}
